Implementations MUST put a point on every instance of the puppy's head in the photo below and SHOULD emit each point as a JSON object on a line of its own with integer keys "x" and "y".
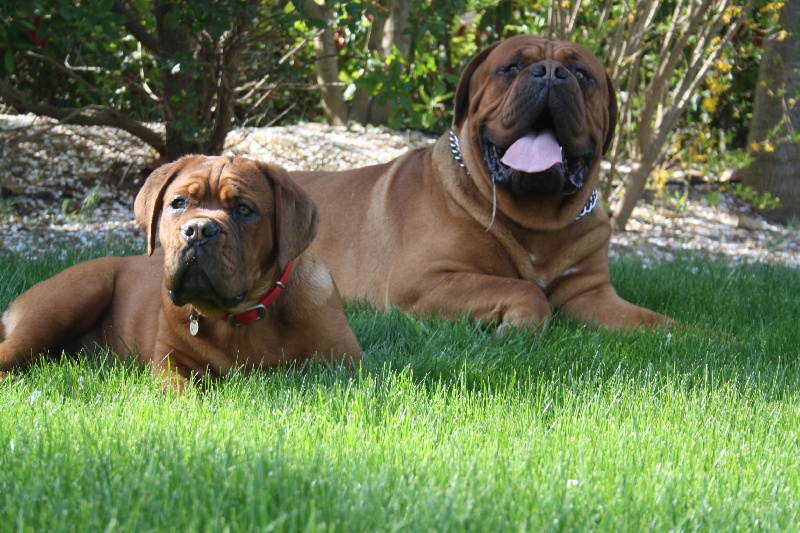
{"x": 538, "y": 113}
{"x": 228, "y": 226}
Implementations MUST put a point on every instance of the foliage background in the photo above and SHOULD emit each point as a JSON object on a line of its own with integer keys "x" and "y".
{"x": 279, "y": 57}
{"x": 75, "y": 55}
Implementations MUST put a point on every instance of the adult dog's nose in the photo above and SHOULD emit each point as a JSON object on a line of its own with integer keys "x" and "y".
{"x": 549, "y": 70}
{"x": 198, "y": 231}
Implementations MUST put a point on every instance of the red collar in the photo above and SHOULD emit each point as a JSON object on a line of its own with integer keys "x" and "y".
{"x": 259, "y": 311}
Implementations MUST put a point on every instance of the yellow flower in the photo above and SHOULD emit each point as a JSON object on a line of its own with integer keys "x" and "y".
{"x": 791, "y": 102}
{"x": 730, "y": 13}
{"x": 772, "y": 7}
{"x": 710, "y": 104}
{"x": 660, "y": 178}
{"x": 716, "y": 87}
{"x": 783, "y": 34}
{"x": 754, "y": 146}
{"x": 768, "y": 147}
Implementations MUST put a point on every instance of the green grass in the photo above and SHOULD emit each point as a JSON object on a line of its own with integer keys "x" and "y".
{"x": 447, "y": 428}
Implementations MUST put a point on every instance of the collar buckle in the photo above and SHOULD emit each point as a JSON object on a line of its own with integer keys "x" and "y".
{"x": 259, "y": 311}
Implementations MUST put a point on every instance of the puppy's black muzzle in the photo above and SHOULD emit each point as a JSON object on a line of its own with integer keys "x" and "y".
{"x": 199, "y": 231}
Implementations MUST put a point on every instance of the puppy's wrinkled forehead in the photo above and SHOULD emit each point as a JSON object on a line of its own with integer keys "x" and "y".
{"x": 221, "y": 179}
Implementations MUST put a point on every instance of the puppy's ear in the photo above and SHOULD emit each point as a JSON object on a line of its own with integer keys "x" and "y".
{"x": 461, "y": 102}
{"x": 150, "y": 201}
{"x": 296, "y": 215}
{"x": 612, "y": 114}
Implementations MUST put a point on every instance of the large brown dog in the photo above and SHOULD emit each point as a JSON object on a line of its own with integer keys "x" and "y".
{"x": 233, "y": 286}
{"x": 496, "y": 220}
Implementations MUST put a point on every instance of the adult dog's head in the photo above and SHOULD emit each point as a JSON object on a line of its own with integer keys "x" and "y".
{"x": 229, "y": 227}
{"x": 534, "y": 118}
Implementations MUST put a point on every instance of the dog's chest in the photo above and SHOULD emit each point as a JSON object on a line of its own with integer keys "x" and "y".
{"x": 552, "y": 258}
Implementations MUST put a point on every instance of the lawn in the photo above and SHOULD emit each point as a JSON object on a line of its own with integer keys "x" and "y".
{"x": 446, "y": 428}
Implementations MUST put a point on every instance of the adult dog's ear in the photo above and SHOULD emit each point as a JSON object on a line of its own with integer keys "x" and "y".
{"x": 461, "y": 102}
{"x": 612, "y": 114}
{"x": 296, "y": 215}
{"x": 150, "y": 201}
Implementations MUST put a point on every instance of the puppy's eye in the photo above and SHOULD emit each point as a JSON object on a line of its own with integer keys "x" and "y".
{"x": 244, "y": 210}
{"x": 178, "y": 203}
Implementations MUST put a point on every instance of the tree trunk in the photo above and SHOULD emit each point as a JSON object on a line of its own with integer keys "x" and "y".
{"x": 199, "y": 96}
{"x": 393, "y": 35}
{"x": 227, "y": 61}
{"x": 360, "y": 106}
{"x": 634, "y": 188}
{"x": 778, "y": 87}
{"x": 177, "y": 78}
{"x": 327, "y": 66}
{"x": 388, "y": 30}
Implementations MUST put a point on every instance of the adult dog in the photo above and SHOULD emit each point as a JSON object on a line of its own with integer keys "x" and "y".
{"x": 498, "y": 219}
{"x": 233, "y": 285}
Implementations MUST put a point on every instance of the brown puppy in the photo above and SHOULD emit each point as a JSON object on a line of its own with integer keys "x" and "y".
{"x": 498, "y": 219}
{"x": 233, "y": 285}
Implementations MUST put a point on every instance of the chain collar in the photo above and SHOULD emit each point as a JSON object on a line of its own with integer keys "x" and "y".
{"x": 455, "y": 147}
{"x": 590, "y": 203}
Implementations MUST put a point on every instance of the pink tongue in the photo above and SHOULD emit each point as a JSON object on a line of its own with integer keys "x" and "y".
{"x": 534, "y": 152}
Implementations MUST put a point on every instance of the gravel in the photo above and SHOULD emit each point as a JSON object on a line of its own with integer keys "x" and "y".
{"x": 64, "y": 186}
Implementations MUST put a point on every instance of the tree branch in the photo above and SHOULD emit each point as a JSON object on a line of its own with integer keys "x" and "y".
{"x": 63, "y": 69}
{"x": 87, "y": 116}
{"x": 138, "y": 31}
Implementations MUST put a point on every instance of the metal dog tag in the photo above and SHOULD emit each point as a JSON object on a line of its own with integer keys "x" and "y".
{"x": 194, "y": 323}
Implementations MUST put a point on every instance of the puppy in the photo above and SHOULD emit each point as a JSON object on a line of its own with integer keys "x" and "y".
{"x": 232, "y": 286}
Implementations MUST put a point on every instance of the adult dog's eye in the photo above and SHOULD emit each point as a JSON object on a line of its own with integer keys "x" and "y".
{"x": 583, "y": 75}
{"x": 178, "y": 203}
{"x": 512, "y": 69}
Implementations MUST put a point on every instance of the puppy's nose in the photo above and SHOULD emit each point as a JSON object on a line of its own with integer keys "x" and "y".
{"x": 199, "y": 230}
{"x": 549, "y": 70}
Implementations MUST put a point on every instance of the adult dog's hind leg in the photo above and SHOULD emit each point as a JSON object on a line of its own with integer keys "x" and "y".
{"x": 56, "y": 312}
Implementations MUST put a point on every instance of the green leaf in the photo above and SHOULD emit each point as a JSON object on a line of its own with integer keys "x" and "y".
{"x": 70, "y": 11}
{"x": 171, "y": 20}
{"x": 8, "y": 62}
